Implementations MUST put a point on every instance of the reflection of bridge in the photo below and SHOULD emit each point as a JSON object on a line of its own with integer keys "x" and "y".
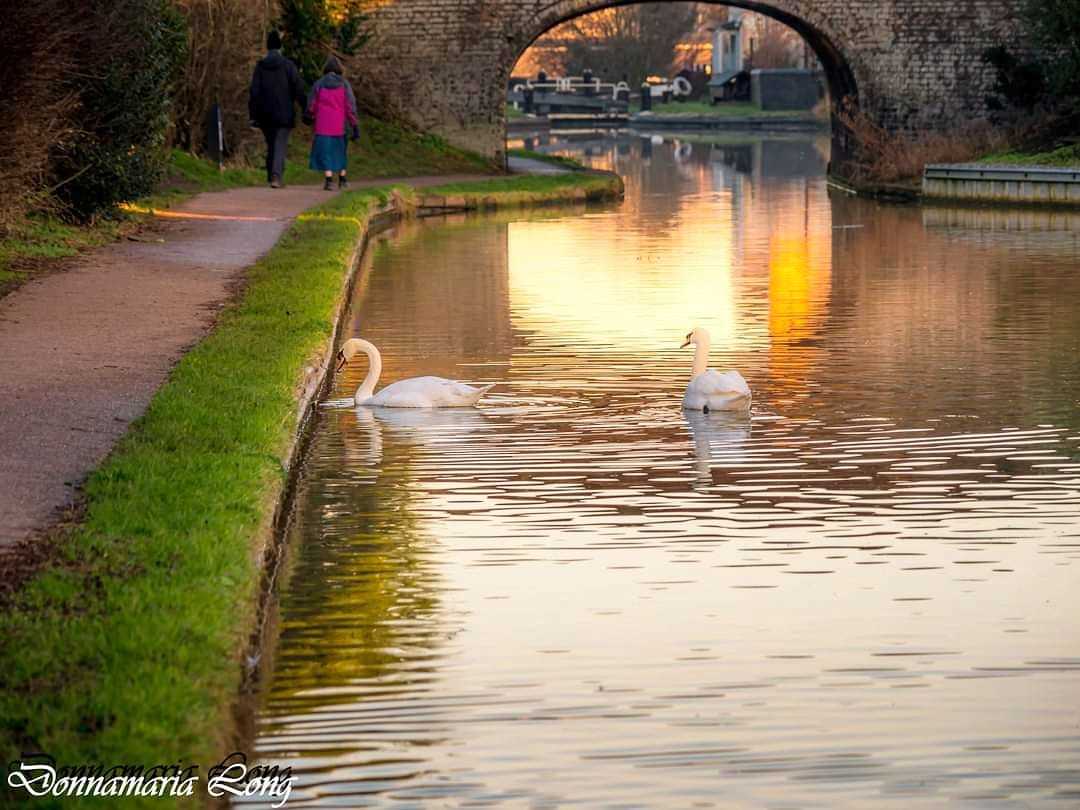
{"x": 445, "y": 64}
{"x": 775, "y": 155}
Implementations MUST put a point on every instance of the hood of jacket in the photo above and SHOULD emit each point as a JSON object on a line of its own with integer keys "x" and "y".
{"x": 330, "y": 81}
{"x": 275, "y": 60}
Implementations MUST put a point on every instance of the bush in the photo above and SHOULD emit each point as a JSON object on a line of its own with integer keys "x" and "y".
{"x": 1053, "y": 27}
{"x": 36, "y": 111}
{"x": 129, "y": 53}
{"x": 1019, "y": 83}
{"x": 1047, "y": 74}
{"x": 884, "y": 157}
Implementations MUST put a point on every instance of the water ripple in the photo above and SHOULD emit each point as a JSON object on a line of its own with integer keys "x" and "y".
{"x": 860, "y": 594}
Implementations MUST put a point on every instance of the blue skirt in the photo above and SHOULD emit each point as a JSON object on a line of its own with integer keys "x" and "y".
{"x": 328, "y": 154}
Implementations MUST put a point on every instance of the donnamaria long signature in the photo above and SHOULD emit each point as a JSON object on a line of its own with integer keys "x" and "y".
{"x": 39, "y": 775}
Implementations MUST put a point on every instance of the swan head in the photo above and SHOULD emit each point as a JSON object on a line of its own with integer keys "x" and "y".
{"x": 698, "y": 336}
{"x": 349, "y": 349}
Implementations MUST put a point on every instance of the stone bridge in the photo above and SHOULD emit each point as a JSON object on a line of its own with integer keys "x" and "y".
{"x": 444, "y": 65}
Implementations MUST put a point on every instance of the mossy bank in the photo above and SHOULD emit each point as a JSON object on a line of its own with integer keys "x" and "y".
{"x": 126, "y": 646}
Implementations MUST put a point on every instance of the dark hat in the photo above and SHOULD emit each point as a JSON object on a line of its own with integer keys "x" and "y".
{"x": 333, "y": 65}
{"x": 273, "y": 41}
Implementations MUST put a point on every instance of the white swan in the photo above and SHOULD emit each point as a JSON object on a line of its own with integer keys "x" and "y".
{"x": 418, "y": 392}
{"x": 711, "y": 390}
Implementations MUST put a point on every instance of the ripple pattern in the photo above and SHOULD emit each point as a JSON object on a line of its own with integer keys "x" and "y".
{"x": 862, "y": 594}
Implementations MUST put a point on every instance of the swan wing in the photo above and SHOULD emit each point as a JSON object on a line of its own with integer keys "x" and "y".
{"x": 719, "y": 391}
{"x": 428, "y": 392}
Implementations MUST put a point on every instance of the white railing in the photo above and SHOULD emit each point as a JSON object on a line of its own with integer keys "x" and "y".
{"x": 676, "y": 88}
{"x": 572, "y": 84}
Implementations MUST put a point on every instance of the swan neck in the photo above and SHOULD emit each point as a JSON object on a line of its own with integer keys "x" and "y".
{"x": 367, "y": 387}
{"x": 701, "y": 357}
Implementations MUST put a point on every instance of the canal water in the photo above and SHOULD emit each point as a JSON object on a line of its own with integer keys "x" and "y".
{"x": 863, "y": 594}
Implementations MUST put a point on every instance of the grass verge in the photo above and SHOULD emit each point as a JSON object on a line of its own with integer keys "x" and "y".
{"x": 124, "y": 647}
{"x": 384, "y": 150}
{"x": 530, "y": 189}
{"x": 726, "y": 109}
{"x": 555, "y": 160}
{"x": 1064, "y": 157}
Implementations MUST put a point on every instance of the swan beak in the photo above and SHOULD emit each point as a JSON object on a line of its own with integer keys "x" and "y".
{"x": 342, "y": 360}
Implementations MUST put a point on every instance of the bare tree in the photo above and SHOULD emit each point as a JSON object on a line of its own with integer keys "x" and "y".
{"x": 774, "y": 44}
{"x": 225, "y": 38}
{"x": 631, "y": 42}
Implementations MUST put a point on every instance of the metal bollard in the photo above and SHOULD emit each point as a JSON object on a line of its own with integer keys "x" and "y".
{"x": 646, "y": 98}
{"x": 215, "y": 137}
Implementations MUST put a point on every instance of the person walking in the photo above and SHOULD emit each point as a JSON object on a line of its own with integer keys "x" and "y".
{"x": 276, "y": 89}
{"x": 332, "y": 106}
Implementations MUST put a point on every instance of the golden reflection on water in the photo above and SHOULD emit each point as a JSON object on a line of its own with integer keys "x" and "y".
{"x": 558, "y": 273}
{"x": 863, "y": 594}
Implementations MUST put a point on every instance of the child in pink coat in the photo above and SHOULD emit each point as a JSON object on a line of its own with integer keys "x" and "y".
{"x": 332, "y": 106}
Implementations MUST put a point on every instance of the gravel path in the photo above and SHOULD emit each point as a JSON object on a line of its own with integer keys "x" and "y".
{"x": 82, "y": 351}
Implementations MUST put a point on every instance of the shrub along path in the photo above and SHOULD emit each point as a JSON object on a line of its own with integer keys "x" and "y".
{"x": 83, "y": 351}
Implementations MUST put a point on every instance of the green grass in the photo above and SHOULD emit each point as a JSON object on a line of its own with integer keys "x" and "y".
{"x": 384, "y": 150}
{"x": 533, "y": 189}
{"x": 513, "y": 112}
{"x": 125, "y": 647}
{"x": 728, "y": 109}
{"x": 555, "y": 160}
{"x": 1062, "y": 157}
{"x": 40, "y": 240}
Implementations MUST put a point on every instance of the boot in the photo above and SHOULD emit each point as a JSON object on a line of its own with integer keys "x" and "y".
{"x": 342, "y": 182}
{"x": 329, "y": 184}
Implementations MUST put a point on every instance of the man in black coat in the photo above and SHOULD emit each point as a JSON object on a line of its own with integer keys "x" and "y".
{"x": 276, "y": 89}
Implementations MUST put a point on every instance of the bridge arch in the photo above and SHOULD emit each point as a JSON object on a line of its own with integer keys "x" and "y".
{"x": 443, "y": 65}
{"x": 840, "y": 79}
{"x": 839, "y": 76}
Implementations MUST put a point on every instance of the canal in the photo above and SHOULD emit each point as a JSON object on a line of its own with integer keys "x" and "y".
{"x": 864, "y": 593}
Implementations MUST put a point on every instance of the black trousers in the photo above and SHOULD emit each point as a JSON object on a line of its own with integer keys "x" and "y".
{"x": 277, "y": 144}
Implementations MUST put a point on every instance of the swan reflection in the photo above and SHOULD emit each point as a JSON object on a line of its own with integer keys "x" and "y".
{"x": 719, "y": 437}
{"x": 430, "y": 427}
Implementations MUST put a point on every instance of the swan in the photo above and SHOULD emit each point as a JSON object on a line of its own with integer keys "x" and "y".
{"x": 418, "y": 392}
{"x": 711, "y": 390}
